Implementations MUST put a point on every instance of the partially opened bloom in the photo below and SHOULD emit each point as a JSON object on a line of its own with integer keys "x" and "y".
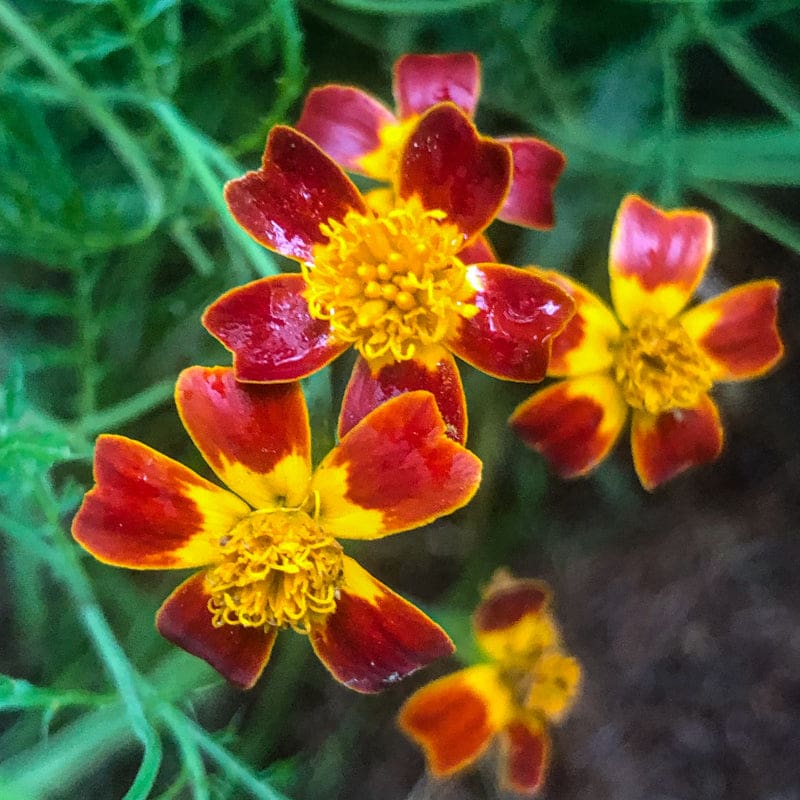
{"x": 654, "y": 356}
{"x": 400, "y": 284}
{"x": 365, "y": 137}
{"x": 528, "y": 683}
{"x": 269, "y": 549}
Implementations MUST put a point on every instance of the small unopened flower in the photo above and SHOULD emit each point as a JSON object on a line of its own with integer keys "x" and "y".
{"x": 365, "y": 137}
{"x": 269, "y": 549}
{"x": 654, "y": 356}
{"x": 528, "y": 684}
{"x": 403, "y": 283}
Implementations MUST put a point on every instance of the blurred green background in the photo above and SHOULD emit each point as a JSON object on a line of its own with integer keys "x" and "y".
{"x": 120, "y": 120}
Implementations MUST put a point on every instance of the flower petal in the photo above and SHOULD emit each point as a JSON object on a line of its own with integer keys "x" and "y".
{"x": 255, "y": 437}
{"x": 666, "y": 445}
{"x": 439, "y": 376}
{"x": 526, "y": 747}
{"x": 478, "y": 251}
{"x": 239, "y": 654}
{"x": 375, "y": 638}
{"x": 297, "y": 188}
{"x": 395, "y": 470}
{"x": 657, "y": 258}
{"x": 422, "y": 81}
{"x": 450, "y": 167}
{"x": 147, "y": 511}
{"x": 345, "y": 122}
{"x": 738, "y": 330}
{"x": 584, "y": 346}
{"x": 454, "y": 718}
{"x": 267, "y": 326}
{"x": 573, "y": 423}
{"x": 519, "y": 315}
{"x": 537, "y": 168}
{"x": 513, "y": 619}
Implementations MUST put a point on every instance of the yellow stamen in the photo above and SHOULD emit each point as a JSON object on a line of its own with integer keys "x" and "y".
{"x": 390, "y": 284}
{"x": 279, "y": 569}
{"x": 554, "y": 684}
{"x": 659, "y": 367}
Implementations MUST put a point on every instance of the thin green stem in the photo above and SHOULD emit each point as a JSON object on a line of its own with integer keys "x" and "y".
{"x": 134, "y": 407}
{"x": 669, "y": 193}
{"x": 120, "y": 140}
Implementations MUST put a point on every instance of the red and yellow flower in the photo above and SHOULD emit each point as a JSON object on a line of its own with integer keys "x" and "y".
{"x": 269, "y": 548}
{"x": 654, "y": 356}
{"x": 366, "y": 137}
{"x": 405, "y": 285}
{"x": 528, "y": 683}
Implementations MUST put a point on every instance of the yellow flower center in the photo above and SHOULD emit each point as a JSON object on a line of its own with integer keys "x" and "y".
{"x": 391, "y": 283}
{"x": 278, "y": 569}
{"x": 659, "y": 367}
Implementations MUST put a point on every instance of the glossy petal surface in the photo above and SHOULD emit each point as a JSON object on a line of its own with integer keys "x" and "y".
{"x": 657, "y": 258}
{"x": 526, "y": 748}
{"x": 421, "y": 81}
{"x": 519, "y": 315}
{"x": 267, "y": 327}
{"x": 584, "y": 346}
{"x": 537, "y": 167}
{"x": 255, "y": 437}
{"x": 669, "y": 444}
{"x": 375, "y": 638}
{"x": 239, "y": 654}
{"x": 573, "y": 423}
{"x": 738, "y": 330}
{"x": 297, "y": 188}
{"x": 147, "y": 511}
{"x": 366, "y": 391}
{"x": 395, "y": 470}
{"x": 455, "y": 718}
{"x": 512, "y": 621}
{"x": 450, "y": 167}
{"x": 345, "y": 122}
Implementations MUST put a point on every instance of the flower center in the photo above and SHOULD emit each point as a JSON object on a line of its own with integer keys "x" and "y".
{"x": 658, "y": 367}
{"x": 279, "y": 570}
{"x": 390, "y": 284}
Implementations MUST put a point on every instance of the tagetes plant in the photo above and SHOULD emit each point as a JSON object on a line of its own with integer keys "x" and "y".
{"x": 528, "y": 683}
{"x": 269, "y": 548}
{"x": 366, "y": 137}
{"x": 406, "y": 286}
{"x": 653, "y": 357}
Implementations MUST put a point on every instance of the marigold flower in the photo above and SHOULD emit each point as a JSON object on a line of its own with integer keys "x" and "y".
{"x": 529, "y": 683}
{"x": 365, "y": 137}
{"x": 399, "y": 283}
{"x": 270, "y": 551}
{"x": 653, "y": 356}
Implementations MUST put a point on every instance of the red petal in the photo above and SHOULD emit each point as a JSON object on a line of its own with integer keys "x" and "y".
{"x": 297, "y": 188}
{"x": 478, "y": 251}
{"x": 507, "y": 604}
{"x": 527, "y": 751}
{"x": 239, "y": 654}
{"x": 454, "y": 718}
{"x": 395, "y": 470}
{"x": 666, "y": 445}
{"x": 345, "y": 122}
{"x": 520, "y": 314}
{"x": 738, "y": 330}
{"x": 365, "y": 391}
{"x": 375, "y": 638}
{"x": 255, "y": 437}
{"x": 573, "y": 423}
{"x": 450, "y": 167}
{"x": 657, "y": 258}
{"x": 421, "y": 81}
{"x": 267, "y": 327}
{"x": 537, "y": 168}
{"x": 150, "y": 512}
